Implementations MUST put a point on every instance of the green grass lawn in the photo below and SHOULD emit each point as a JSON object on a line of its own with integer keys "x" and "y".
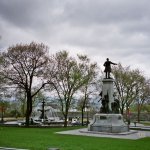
{"x": 146, "y": 123}
{"x": 44, "y": 138}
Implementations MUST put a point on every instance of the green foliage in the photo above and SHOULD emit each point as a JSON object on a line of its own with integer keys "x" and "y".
{"x": 130, "y": 85}
{"x": 44, "y": 138}
{"x": 14, "y": 113}
{"x": 146, "y": 108}
{"x": 67, "y": 75}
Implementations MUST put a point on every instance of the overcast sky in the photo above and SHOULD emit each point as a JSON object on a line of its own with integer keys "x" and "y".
{"x": 117, "y": 29}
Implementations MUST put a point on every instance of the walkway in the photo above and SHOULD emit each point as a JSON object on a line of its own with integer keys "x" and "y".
{"x": 127, "y": 135}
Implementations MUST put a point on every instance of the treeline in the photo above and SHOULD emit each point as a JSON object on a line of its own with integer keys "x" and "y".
{"x": 31, "y": 70}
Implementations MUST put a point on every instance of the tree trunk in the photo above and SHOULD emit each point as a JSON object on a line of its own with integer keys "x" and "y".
{"x": 121, "y": 111}
{"x": 65, "y": 121}
{"x": 2, "y": 116}
{"x": 29, "y": 108}
{"x": 27, "y": 113}
{"x": 138, "y": 115}
{"x": 82, "y": 116}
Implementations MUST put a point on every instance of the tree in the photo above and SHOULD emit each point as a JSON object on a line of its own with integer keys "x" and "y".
{"x": 127, "y": 83}
{"x": 88, "y": 89}
{"x": 3, "y": 107}
{"x": 4, "y": 95}
{"x": 23, "y": 65}
{"x": 84, "y": 102}
{"x": 2, "y": 80}
{"x": 19, "y": 97}
{"x": 143, "y": 96}
{"x": 67, "y": 78}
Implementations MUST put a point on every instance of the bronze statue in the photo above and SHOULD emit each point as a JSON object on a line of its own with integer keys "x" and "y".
{"x": 107, "y": 65}
{"x": 105, "y": 101}
{"x": 115, "y": 106}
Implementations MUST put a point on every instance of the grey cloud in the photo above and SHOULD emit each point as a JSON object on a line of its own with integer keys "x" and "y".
{"x": 28, "y": 13}
{"x": 75, "y": 12}
{"x": 119, "y": 29}
{"x": 108, "y": 11}
{"x": 137, "y": 26}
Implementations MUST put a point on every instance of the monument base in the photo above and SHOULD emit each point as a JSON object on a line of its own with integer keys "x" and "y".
{"x": 111, "y": 123}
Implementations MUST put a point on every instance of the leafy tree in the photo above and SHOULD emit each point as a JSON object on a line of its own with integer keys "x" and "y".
{"x": 23, "y": 65}
{"x": 3, "y": 107}
{"x": 127, "y": 83}
{"x": 19, "y": 101}
{"x": 88, "y": 89}
{"x": 22, "y": 98}
{"x": 67, "y": 78}
{"x": 143, "y": 96}
{"x": 4, "y": 104}
{"x": 146, "y": 108}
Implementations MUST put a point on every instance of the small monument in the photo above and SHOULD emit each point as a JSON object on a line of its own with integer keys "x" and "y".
{"x": 109, "y": 119}
{"x": 44, "y": 112}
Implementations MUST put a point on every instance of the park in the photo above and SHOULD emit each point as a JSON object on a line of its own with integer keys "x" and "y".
{"x": 74, "y": 75}
{"x": 68, "y": 119}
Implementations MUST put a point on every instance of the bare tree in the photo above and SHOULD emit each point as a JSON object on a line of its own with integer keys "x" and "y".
{"x": 23, "y": 65}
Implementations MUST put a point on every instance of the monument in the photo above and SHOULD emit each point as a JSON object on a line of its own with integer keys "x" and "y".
{"x": 109, "y": 119}
{"x": 45, "y": 113}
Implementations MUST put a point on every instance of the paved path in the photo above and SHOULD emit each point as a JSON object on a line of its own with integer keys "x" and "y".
{"x": 132, "y": 135}
{"x": 6, "y": 148}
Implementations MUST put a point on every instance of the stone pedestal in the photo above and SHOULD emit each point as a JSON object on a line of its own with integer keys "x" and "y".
{"x": 108, "y": 89}
{"x": 111, "y": 123}
{"x": 108, "y": 120}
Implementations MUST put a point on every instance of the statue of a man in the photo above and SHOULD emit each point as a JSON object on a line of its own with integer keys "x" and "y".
{"x": 107, "y": 65}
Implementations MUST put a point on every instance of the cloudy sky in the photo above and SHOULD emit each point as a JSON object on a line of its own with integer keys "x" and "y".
{"x": 117, "y": 29}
